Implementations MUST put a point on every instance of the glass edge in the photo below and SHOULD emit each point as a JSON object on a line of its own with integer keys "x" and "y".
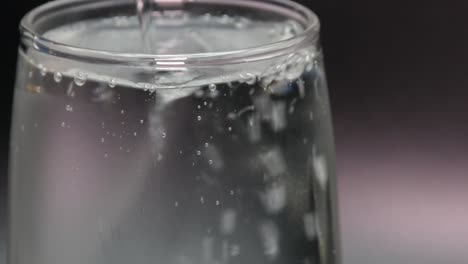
{"x": 30, "y": 38}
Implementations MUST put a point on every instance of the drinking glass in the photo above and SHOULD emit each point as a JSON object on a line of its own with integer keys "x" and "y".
{"x": 210, "y": 145}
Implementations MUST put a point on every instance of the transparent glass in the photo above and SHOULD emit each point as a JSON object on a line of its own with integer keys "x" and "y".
{"x": 215, "y": 146}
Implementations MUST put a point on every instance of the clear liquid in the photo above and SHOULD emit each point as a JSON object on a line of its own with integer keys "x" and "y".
{"x": 220, "y": 172}
{"x": 144, "y": 10}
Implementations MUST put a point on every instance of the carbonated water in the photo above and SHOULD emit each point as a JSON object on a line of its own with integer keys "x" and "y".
{"x": 179, "y": 167}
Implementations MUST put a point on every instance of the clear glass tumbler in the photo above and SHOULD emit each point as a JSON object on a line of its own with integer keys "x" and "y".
{"x": 212, "y": 145}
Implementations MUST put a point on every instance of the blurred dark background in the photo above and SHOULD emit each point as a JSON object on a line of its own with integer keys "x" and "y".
{"x": 398, "y": 78}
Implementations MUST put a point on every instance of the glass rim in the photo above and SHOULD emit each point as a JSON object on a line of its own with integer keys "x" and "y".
{"x": 30, "y": 37}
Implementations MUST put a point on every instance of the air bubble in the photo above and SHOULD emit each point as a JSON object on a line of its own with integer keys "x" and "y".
{"x": 235, "y": 250}
{"x": 207, "y": 17}
{"x": 147, "y": 87}
{"x": 274, "y": 198}
{"x": 241, "y": 23}
{"x": 228, "y": 221}
{"x": 270, "y": 238}
{"x": 301, "y": 88}
{"x": 292, "y": 107}
{"x": 319, "y": 164}
{"x": 160, "y": 157}
{"x": 310, "y": 226}
{"x": 69, "y": 108}
{"x": 254, "y": 129}
{"x": 112, "y": 83}
{"x": 278, "y": 116}
{"x": 58, "y": 77}
{"x": 42, "y": 69}
{"x": 199, "y": 93}
{"x": 225, "y": 19}
{"x": 274, "y": 162}
{"x": 35, "y": 45}
{"x": 248, "y": 78}
{"x": 212, "y": 87}
{"x": 80, "y": 79}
